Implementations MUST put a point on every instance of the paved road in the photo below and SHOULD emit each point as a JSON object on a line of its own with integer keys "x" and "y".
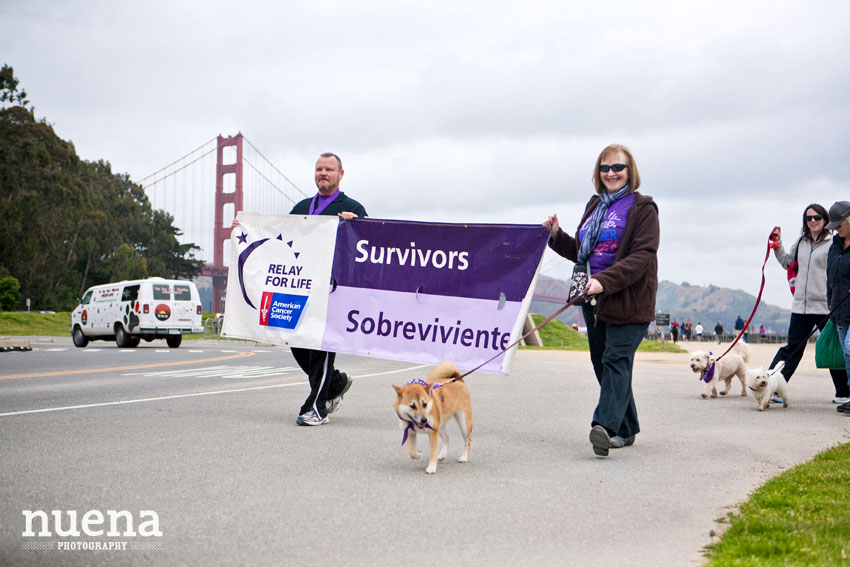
{"x": 234, "y": 481}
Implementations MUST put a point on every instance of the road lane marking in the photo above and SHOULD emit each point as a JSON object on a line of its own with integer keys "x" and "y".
{"x": 119, "y": 368}
{"x": 223, "y": 371}
{"x": 196, "y": 394}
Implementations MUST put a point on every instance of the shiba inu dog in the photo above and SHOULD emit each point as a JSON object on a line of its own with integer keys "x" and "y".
{"x": 426, "y": 406}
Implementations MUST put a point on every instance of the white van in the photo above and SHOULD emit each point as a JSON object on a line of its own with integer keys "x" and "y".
{"x": 129, "y": 311}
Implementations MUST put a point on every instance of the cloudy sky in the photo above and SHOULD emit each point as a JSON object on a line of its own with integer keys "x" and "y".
{"x": 471, "y": 111}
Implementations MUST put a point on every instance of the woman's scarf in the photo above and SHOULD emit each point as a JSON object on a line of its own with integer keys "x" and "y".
{"x": 596, "y": 220}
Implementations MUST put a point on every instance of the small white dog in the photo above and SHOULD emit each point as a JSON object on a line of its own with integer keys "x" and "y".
{"x": 711, "y": 370}
{"x": 764, "y": 384}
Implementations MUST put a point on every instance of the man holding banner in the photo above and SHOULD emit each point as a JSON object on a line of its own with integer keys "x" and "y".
{"x": 327, "y": 384}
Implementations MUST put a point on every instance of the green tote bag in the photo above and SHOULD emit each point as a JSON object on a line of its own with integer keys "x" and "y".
{"x": 828, "y": 352}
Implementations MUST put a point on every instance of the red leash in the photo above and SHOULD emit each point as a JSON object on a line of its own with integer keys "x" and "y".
{"x": 771, "y": 244}
{"x": 516, "y": 342}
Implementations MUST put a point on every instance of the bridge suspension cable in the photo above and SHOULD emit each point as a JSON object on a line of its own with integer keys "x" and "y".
{"x": 186, "y": 188}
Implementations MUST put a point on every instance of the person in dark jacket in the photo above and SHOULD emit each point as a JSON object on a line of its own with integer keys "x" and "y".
{"x": 327, "y": 384}
{"x": 838, "y": 279}
{"x": 617, "y": 240}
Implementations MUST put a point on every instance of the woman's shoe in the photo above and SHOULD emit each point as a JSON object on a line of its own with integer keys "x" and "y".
{"x": 600, "y": 440}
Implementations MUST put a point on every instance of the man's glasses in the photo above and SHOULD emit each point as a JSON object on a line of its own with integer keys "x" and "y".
{"x": 809, "y": 218}
{"x": 617, "y": 167}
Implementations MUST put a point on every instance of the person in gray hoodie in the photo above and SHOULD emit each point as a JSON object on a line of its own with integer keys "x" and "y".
{"x": 809, "y": 308}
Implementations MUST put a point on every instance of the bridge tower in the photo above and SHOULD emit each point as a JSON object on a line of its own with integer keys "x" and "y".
{"x": 217, "y": 270}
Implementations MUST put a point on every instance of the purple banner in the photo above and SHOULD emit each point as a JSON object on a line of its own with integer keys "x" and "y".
{"x": 458, "y": 260}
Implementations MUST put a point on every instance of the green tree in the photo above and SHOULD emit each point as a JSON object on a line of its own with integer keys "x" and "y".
{"x": 68, "y": 223}
{"x": 10, "y": 295}
{"x": 9, "y": 93}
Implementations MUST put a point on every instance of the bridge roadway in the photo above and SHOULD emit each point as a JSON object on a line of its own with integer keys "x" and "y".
{"x": 205, "y": 437}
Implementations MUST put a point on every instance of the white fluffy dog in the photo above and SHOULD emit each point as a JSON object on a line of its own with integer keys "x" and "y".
{"x": 711, "y": 371}
{"x": 764, "y": 384}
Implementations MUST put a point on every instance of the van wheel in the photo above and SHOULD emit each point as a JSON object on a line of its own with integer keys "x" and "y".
{"x": 134, "y": 342}
{"x": 122, "y": 339}
{"x": 174, "y": 340}
{"x": 80, "y": 340}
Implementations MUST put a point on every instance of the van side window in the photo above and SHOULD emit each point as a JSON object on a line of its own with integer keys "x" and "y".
{"x": 86, "y": 298}
{"x": 161, "y": 291}
{"x": 131, "y": 293}
{"x": 182, "y": 293}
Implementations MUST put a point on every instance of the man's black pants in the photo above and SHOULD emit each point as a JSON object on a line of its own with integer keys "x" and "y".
{"x": 326, "y": 382}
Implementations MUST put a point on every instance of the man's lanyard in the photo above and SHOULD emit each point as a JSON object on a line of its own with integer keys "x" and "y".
{"x": 316, "y": 209}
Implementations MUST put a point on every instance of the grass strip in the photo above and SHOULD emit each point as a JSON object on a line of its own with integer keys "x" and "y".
{"x": 801, "y": 517}
{"x": 556, "y": 335}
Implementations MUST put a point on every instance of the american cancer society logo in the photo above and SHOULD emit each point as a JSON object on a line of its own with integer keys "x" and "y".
{"x": 281, "y": 309}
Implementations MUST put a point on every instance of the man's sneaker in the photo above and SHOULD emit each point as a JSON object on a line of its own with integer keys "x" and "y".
{"x": 332, "y": 405}
{"x": 775, "y": 399}
{"x": 844, "y": 408}
{"x": 311, "y": 418}
{"x": 840, "y": 400}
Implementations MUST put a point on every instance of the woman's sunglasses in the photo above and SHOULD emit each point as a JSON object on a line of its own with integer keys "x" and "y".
{"x": 809, "y": 218}
{"x": 617, "y": 167}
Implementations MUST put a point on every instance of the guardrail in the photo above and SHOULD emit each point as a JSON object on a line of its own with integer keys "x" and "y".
{"x": 212, "y": 328}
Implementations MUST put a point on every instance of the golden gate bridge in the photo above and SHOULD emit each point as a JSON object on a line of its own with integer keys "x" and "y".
{"x": 204, "y": 189}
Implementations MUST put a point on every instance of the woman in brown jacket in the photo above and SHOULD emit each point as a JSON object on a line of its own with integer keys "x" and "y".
{"x": 617, "y": 241}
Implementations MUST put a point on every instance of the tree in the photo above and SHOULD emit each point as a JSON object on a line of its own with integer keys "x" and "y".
{"x": 68, "y": 223}
{"x": 10, "y": 288}
{"x": 9, "y": 89}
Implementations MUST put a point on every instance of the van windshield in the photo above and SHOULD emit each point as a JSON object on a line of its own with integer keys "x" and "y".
{"x": 161, "y": 291}
{"x": 86, "y": 298}
{"x": 131, "y": 293}
{"x": 182, "y": 293}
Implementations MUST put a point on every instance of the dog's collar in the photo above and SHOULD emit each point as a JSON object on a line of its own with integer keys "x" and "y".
{"x": 422, "y": 382}
{"x": 708, "y": 374}
{"x": 751, "y": 388}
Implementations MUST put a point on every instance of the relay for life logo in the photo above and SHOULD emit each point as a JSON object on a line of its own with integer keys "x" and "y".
{"x": 281, "y": 277}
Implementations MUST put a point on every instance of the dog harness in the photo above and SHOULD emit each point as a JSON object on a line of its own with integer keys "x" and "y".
{"x": 410, "y": 424}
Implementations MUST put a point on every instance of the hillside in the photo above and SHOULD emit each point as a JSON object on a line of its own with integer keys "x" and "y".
{"x": 706, "y": 304}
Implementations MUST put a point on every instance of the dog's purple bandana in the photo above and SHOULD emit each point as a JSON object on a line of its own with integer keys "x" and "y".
{"x": 409, "y": 428}
{"x": 708, "y": 374}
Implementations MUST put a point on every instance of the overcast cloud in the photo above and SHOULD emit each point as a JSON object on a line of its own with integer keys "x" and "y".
{"x": 737, "y": 112}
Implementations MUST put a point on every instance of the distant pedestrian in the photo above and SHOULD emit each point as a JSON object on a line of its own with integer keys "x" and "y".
{"x": 698, "y": 329}
{"x": 674, "y": 331}
{"x": 762, "y": 334}
{"x": 718, "y": 332}
{"x": 739, "y": 325}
